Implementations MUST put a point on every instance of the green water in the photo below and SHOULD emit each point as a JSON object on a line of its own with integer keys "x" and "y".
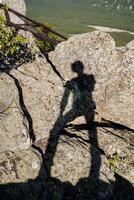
{"x": 73, "y": 16}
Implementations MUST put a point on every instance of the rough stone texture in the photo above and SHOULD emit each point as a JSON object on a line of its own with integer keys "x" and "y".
{"x": 118, "y": 147}
{"x": 17, "y": 5}
{"x": 16, "y": 170}
{"x": 18, "y": 166}
{"x": 72, "y": 163}
{"x": 31, "y": 103}
{"x": 112, "y": 68}
{"x": 13, "y": 131}
{"x": 130, "y": 45}
{"x": 75, "y": 156}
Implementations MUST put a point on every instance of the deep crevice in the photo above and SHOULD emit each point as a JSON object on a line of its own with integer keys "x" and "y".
{"x": 54, "y": 67}
{"x": 24, "y": 109}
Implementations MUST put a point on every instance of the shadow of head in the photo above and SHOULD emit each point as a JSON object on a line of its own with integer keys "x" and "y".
{"x": 86, "y": 81}
{"x": 77, "y": 67}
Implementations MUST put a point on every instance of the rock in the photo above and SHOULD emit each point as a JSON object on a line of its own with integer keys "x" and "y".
{"x": 118, "y": 147}
{"x": 130, "y": 45}
{"x": 16, "y": 170}
{"x": 112, "y": 68}
{"x": 98, "y": 142}
{"x": 18, "y": 166}
{"x": 17, "y": 5}
{"x": 13, "y": 131}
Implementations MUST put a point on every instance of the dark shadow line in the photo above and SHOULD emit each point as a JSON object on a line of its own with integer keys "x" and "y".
{"x": 54, "y": 67}
{"x": 107, "y": 131}
{"x": 118, "y": 126}
{"x": 72, "y": 135}
{"x": 102, "y": 125}
{"x": 68, "y": 143}
{"x": 30, "y": 130}
{"x": 107, "y": 123}
{"x": 83, "y": 142}
{"x": 24, "y": 108}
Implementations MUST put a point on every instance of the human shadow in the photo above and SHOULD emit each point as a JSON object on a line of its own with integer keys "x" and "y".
{"x": 91, "y": 187}
{"x": 81, "y": 88}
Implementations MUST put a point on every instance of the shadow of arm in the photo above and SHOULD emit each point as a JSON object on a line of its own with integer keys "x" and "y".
{"x": 64, "y": 100}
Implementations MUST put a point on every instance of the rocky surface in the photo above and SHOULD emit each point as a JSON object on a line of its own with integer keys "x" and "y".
{"x": 19, "y": 166}
{"x": 111, "y": 67}
{"x": 36, "y": 104}
{"x": 17, "y": 5}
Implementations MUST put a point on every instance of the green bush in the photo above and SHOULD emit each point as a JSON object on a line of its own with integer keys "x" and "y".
{"x": 13, "y": 47}
{"x": 45, "y": 46}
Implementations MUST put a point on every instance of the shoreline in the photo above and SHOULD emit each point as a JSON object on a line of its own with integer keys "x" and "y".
{"x": 108, "y": 29}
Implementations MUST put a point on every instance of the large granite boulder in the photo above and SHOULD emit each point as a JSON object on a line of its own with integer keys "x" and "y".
{"x": 112, "y": 69}
{"x": 36, "y": 104}
{"x": 43, "y": 92}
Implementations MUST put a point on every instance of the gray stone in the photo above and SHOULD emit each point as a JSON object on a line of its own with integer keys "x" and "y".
{"x": 18, "y": 166}
{"x": 13, "y": 131}
{"x": 112, "y": 68}
{"x": 32, "y": 103}
{"x": 130, "y": 45}
{"x": 17, "y": 169}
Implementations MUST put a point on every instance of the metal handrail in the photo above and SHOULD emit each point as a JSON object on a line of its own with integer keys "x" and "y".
{"x": 28, "y": 22}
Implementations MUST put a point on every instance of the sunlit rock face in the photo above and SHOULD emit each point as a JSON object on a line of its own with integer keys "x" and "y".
{"x": 17, "y": 5}
{"x": 112, "y": 68}
{"x": 33, "y": 97}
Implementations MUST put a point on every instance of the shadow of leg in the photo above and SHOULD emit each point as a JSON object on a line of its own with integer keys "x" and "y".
{"x": 95, "y": 154}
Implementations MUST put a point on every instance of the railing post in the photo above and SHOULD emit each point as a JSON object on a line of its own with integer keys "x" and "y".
{"x": 8, "y": 21}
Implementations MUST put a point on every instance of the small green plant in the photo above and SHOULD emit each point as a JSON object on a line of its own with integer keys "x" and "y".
{"x": 13, "y": 47}
{"x": 114, "y": 161}
{"x": 45, "y": 46}
{"x": 2, "y": 21}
